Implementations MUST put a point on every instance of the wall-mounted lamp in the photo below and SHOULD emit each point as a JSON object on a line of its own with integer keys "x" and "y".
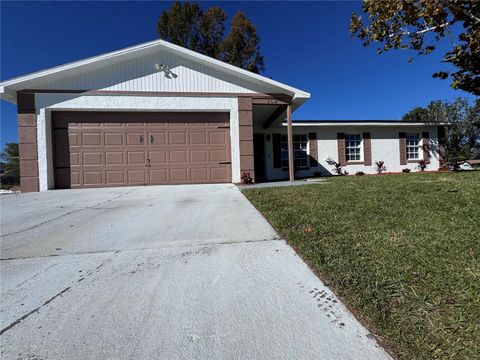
{"x": 166, "y": 70}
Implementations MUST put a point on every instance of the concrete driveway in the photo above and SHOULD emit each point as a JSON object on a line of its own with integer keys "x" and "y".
{"x": 161, "y": 272}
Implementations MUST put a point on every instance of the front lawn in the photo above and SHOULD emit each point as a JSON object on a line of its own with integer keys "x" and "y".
{"x": 401, "y": 250}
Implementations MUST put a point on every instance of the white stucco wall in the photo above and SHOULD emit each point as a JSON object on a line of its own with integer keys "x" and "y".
{"x": 46, "y": 103}
{"x": 384, "y": 144}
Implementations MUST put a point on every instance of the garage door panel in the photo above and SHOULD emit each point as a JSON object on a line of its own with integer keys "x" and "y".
{"x": 218, "y": 173}
{"x": 158, "y": 176}
{"x": 73, "y": 139}
{"x": 136, "y": 157}
{"x": 74, "y": 158}
{"x": 115, "y": 177}
{"x": 93, "y": 177}
{"x": 199, "y": 174}
{"x": 199, "y": 156}
{"x": 178, "y": 175}
{"x": 114, "y": 158}
{"x": 156, "y": 138}
{"x": 113, "y": 139}
{"x": 135, "y": 138}
{"x": 178, "y": 156}
{"x": 136, "y": 176}
{"x": 158, "y": 157}
{"x": 218, "y": 138}
{"x": 177, "y": 138}
{"x": 219, "y": 155}
{"x": 114, "y": 149}
{"x": 92, "y": 158}
{"x": 74, "y": 178}
{"x": 198, "y": 138}
{"x": 91, "y": 139}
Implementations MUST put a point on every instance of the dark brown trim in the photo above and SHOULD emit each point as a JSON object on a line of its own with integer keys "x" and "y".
{"x": 27, "y": 142}
{"x": 271, "y": 101}
{"x": 313, "y": 145}
{"x": 245, "y": 116}
{"x": 276, "y": 114}
{"x": 291, "y": 169}
{"x": 402, "y": 140}
{"x": 441, "y": 146}
{"x": 426, "y": 146}
{"x": 341, "y": 148}
{"x": 367, "y": 149}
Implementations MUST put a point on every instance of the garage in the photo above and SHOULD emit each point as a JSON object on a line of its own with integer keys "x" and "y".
{"x": 99, "y": 149}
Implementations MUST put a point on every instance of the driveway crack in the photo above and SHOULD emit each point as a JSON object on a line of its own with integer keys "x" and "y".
{"x": 19, "y": 320}
{"x": 69, "y": 213}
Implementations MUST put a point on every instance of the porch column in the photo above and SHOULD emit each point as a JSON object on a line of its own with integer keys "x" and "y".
{"x": 291, "y": 170}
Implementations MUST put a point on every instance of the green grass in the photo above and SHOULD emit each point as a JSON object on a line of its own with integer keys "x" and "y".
{"x": 401, "y": 250}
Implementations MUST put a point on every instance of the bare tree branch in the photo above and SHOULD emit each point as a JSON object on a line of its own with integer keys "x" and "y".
{"x": 423, "y": 31}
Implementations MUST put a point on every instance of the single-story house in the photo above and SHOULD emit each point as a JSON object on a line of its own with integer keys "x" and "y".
{"x": 469, "y": 164}
{"x": 157, "y": 113}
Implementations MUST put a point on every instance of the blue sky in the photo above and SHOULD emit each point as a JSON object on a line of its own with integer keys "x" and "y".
{"x": 306, "y": 45}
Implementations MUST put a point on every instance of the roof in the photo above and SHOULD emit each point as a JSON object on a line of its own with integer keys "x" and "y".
{"x": 8, "y": 88}
{"x": 337, "y": 123}
{"x": 471, "y": 162}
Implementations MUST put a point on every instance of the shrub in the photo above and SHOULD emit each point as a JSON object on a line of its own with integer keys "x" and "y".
{"x": 359, "y": 173}
{"x": 380, "y": 166}
{"x": 406, "y": 170}
{"x": 339, "y": 170}
{"x": 246, "y": 178}
{"x": 422, "y": 165}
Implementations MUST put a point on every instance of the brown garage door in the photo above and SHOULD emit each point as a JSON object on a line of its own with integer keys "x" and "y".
{"x": 94, "y": 149}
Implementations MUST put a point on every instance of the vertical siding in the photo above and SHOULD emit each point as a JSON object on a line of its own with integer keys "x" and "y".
{"x": 139, "y": 74}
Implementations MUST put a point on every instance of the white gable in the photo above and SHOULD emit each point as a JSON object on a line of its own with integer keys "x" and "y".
{"x": 133, "y": 69}
{"x": 140, "y": 74}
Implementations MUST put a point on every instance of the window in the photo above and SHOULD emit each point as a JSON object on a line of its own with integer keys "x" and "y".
{"x": 299, "y": 151}
{"x": 413, "y": 146}
{"x": 353, "y": 147}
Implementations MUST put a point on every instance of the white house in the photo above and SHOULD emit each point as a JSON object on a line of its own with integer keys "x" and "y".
{"x": 469, "y": 164}
{"x": 157, "y": 113}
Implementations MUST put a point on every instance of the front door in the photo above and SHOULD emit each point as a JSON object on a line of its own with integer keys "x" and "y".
{"x": 259, "y": 156}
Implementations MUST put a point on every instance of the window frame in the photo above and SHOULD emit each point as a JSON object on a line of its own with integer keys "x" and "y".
{"x": 302, "y": 149}
{"x": 418, "y": 147}
{"x": 360, "y": 147}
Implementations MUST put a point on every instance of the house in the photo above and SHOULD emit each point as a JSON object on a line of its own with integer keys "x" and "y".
{"x": 469, "y": 164}
{"x": 157, "y": 113}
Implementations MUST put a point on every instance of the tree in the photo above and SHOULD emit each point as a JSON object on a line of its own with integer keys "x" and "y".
{"x": 240, "y": 48}
{"x": 418, "y": 25}
{"x": 189, "y": 26}
{"x": 10, "y": 157}
{"x": 462, "y": 140}
{"x": 180, "y": 25}
{"x": 212, "y": 29}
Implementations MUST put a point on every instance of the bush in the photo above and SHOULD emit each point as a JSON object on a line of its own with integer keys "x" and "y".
{"x": 339, "y": 170}
{"x": 422, "y": 165}
{"x": 359, "y": 173}
{"x": 246, "y": 178}
{"x": 380, "y": 166}
{"x": 406, "y": 170}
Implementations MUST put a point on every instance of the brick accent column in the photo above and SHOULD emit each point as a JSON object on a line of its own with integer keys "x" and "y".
{"x": 367, "y": 149}
{"x": 245, "y": 119}
{"x": 441, "y": 146}
{"x": 342, "y": 160}
{"x": 312, "y": 141}
{"x": 27, "y": 142}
